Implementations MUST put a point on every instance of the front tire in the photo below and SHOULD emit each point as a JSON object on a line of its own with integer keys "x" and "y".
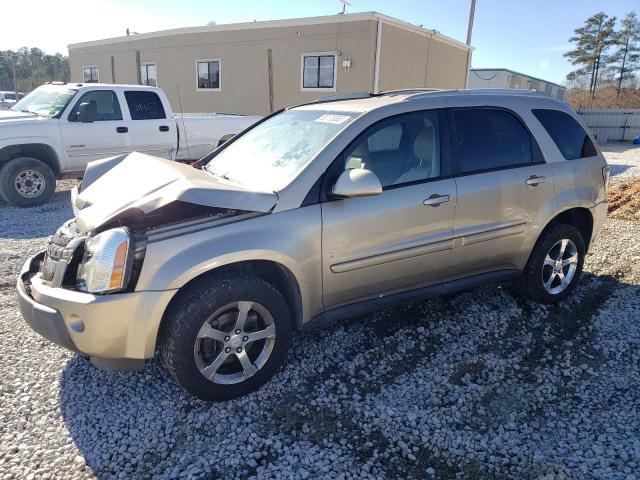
{"x": 27, "y": 182}
{"x": 555, "y": 265}
{"x": 226, "y": 336}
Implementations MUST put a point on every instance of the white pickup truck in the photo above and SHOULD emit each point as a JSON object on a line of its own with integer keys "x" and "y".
{"x": 58, "y": 128}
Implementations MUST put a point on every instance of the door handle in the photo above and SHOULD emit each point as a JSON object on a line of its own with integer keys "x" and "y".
{"x": 163, "y": 128}
{"x": 534, "y": 180}
{"x": 122, "y": 129}
{"x": 436, "y": 200}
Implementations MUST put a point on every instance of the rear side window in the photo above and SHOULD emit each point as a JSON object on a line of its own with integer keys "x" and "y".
{"x": 570, "y": 138}
{"x": 489, "y": 139}
{"x": 144, "y": 105}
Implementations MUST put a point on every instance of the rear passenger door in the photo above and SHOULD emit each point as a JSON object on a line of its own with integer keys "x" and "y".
{"x": 503, "y": 183}
{"x": 150, "y": 130}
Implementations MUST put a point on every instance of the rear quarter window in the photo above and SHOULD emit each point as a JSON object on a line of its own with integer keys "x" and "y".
{"x": 568, "y": 135}
{"x": 144, "y": 105}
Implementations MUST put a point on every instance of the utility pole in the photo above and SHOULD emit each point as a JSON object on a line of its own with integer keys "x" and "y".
{"x": 15, "y": 76}
{"x": 472, "y": 11}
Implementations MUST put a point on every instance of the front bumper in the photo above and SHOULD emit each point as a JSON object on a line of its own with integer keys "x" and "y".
{"x": 115, "y": 326}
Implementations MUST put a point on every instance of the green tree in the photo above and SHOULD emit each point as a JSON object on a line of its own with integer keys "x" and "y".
{"x": 33, "y": 68}
{"x": 591, "y": 43}
{"x": 625, "y": 61}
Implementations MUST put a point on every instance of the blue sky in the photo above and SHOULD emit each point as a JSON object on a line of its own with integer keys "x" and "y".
{"x": 525, "y": 36}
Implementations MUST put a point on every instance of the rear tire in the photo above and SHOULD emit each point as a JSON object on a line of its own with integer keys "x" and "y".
{"x": 555, "y": 265}
{"x": 213, "y": 356}
{"x": 27, "y": 182}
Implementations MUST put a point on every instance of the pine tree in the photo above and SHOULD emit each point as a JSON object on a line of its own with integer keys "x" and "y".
{"x": 591, "y": 43}
{"x": 625, "y": 61}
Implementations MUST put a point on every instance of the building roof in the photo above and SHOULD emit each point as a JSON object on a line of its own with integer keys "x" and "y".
{"x": 293, "y": 22}
{"x": 473, "y": 70}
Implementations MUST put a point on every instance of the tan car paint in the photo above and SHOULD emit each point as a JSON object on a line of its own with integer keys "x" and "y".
{"x": 346, "y": 250}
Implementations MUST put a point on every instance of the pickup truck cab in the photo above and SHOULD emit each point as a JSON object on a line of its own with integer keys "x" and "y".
{"x": 56, "y": 130}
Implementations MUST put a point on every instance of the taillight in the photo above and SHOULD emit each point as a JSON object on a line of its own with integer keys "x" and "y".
{"x": 606, "y": 173}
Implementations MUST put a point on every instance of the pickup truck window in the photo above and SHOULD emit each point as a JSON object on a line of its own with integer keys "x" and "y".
{"x": 46, "y": 101}
{"x": 103, "y": 105}
{"x": 270, "y": 155}
{"x": 144, "y": 105}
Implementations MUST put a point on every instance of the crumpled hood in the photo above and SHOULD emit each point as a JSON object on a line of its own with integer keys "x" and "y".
{"x": 9, "y": 117}
{"x": 139, "y": 184}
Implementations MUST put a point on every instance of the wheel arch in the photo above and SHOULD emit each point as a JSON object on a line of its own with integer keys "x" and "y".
{"x": 579, "y": 217}
{"x": 272, "y": 272}
{"x": 40, "y": 151}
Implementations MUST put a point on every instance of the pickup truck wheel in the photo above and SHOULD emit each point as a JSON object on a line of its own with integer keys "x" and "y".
{"x": 555, "y": 265}
{"x": 27, "y": 182}
{"x": 226, "y": 337}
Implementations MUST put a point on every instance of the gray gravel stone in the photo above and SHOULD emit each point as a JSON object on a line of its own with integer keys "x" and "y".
{"x": 490, "y": 387}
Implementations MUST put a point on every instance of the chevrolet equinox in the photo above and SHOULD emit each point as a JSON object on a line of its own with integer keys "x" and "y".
{"x": 318, "y": 212}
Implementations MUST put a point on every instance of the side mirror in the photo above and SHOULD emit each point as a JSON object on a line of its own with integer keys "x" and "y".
{"x": 84, "y": 114}
{"x": 356, "y": 182}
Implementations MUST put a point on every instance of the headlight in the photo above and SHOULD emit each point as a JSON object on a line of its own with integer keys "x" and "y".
{"x": 105, "y": 266}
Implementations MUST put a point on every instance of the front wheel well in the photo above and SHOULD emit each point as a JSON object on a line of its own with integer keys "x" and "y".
{"x": 580, "y": 218}
{"x": 274, "y": 273}
{"x": 39, "y": 151}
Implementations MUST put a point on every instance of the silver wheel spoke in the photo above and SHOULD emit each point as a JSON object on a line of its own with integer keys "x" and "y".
{"x": 563, "y": 247}
{"x": 269, "y": 332}
{"x": 563, "y": 279}
{"x": 210, "y": 370}
{"x": 207, "y": 331}
{"x": 572, "y": 260}
{"x": 243, "y": 310}
{"x": 548, "y": 283}
{"x": 248, "y": 368}
{"x": 549, "y": 261}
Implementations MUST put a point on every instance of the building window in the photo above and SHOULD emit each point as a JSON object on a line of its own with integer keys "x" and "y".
{"x": 319, "y": 71}
{"x": 208, "y": 74}
{"x": 148, "y": 74}
{"x": 90, "y": 74}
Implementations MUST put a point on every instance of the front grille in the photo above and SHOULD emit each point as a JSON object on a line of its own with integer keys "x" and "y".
{"x": 57, "y": 246}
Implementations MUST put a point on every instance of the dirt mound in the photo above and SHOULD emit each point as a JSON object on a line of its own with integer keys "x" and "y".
{"x": 624, "y": 200}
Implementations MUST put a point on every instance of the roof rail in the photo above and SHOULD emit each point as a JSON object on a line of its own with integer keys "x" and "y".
{"x": 344, "y": 96}
{"x": 406, "y": 91}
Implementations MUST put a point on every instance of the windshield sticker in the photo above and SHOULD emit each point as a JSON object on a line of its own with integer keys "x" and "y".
{"x": 332, "y": 118}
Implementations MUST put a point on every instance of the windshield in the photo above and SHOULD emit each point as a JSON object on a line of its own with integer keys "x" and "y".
{"x": 48, "y": 100}
{"x": 273, "y": 153}
{"x": 9, "y": 96}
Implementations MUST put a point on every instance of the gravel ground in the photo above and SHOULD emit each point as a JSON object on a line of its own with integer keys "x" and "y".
{"x": 476, "y": 385}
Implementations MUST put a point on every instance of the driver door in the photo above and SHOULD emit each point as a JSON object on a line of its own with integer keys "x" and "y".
{"x": 401, "y": 239}
{"x": 106, "y": 135}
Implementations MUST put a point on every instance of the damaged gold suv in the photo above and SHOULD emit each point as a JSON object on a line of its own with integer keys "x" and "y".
{"x": 318, "y": 212}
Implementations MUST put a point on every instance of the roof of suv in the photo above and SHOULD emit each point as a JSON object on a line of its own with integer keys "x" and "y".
{"x": 366, "y": 101}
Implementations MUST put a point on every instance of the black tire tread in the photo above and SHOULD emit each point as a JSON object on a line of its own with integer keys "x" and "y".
{"x": 528, "y": 285}
{"x": 6, "y": 182}
{"x": 202, "y": 294}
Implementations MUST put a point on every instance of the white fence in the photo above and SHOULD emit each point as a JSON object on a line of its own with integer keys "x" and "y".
{"x": 613, "y": 125}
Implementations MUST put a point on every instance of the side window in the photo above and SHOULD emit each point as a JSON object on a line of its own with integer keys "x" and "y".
{"x": 208, "y": 72}
{"x": 90, "y": 74}
{"x": 570, "y": 138}
{"x": 144, "y": 105}
{"x": 402, "y": 150}
{"x": 102, "y": 104}
{"x": 488, "y": 139}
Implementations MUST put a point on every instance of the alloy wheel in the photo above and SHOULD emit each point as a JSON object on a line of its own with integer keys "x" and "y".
{"x": 560, "y": 265}
{"x": 235, "y": 342}
{"x": 29, "y": 183}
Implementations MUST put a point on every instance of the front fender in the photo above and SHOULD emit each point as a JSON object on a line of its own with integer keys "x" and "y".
{"x": 291, "y": 239}
{"x": 54, "y": 144}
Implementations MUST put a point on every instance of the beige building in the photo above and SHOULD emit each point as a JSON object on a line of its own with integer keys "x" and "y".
{"x": 256, "y": 67}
